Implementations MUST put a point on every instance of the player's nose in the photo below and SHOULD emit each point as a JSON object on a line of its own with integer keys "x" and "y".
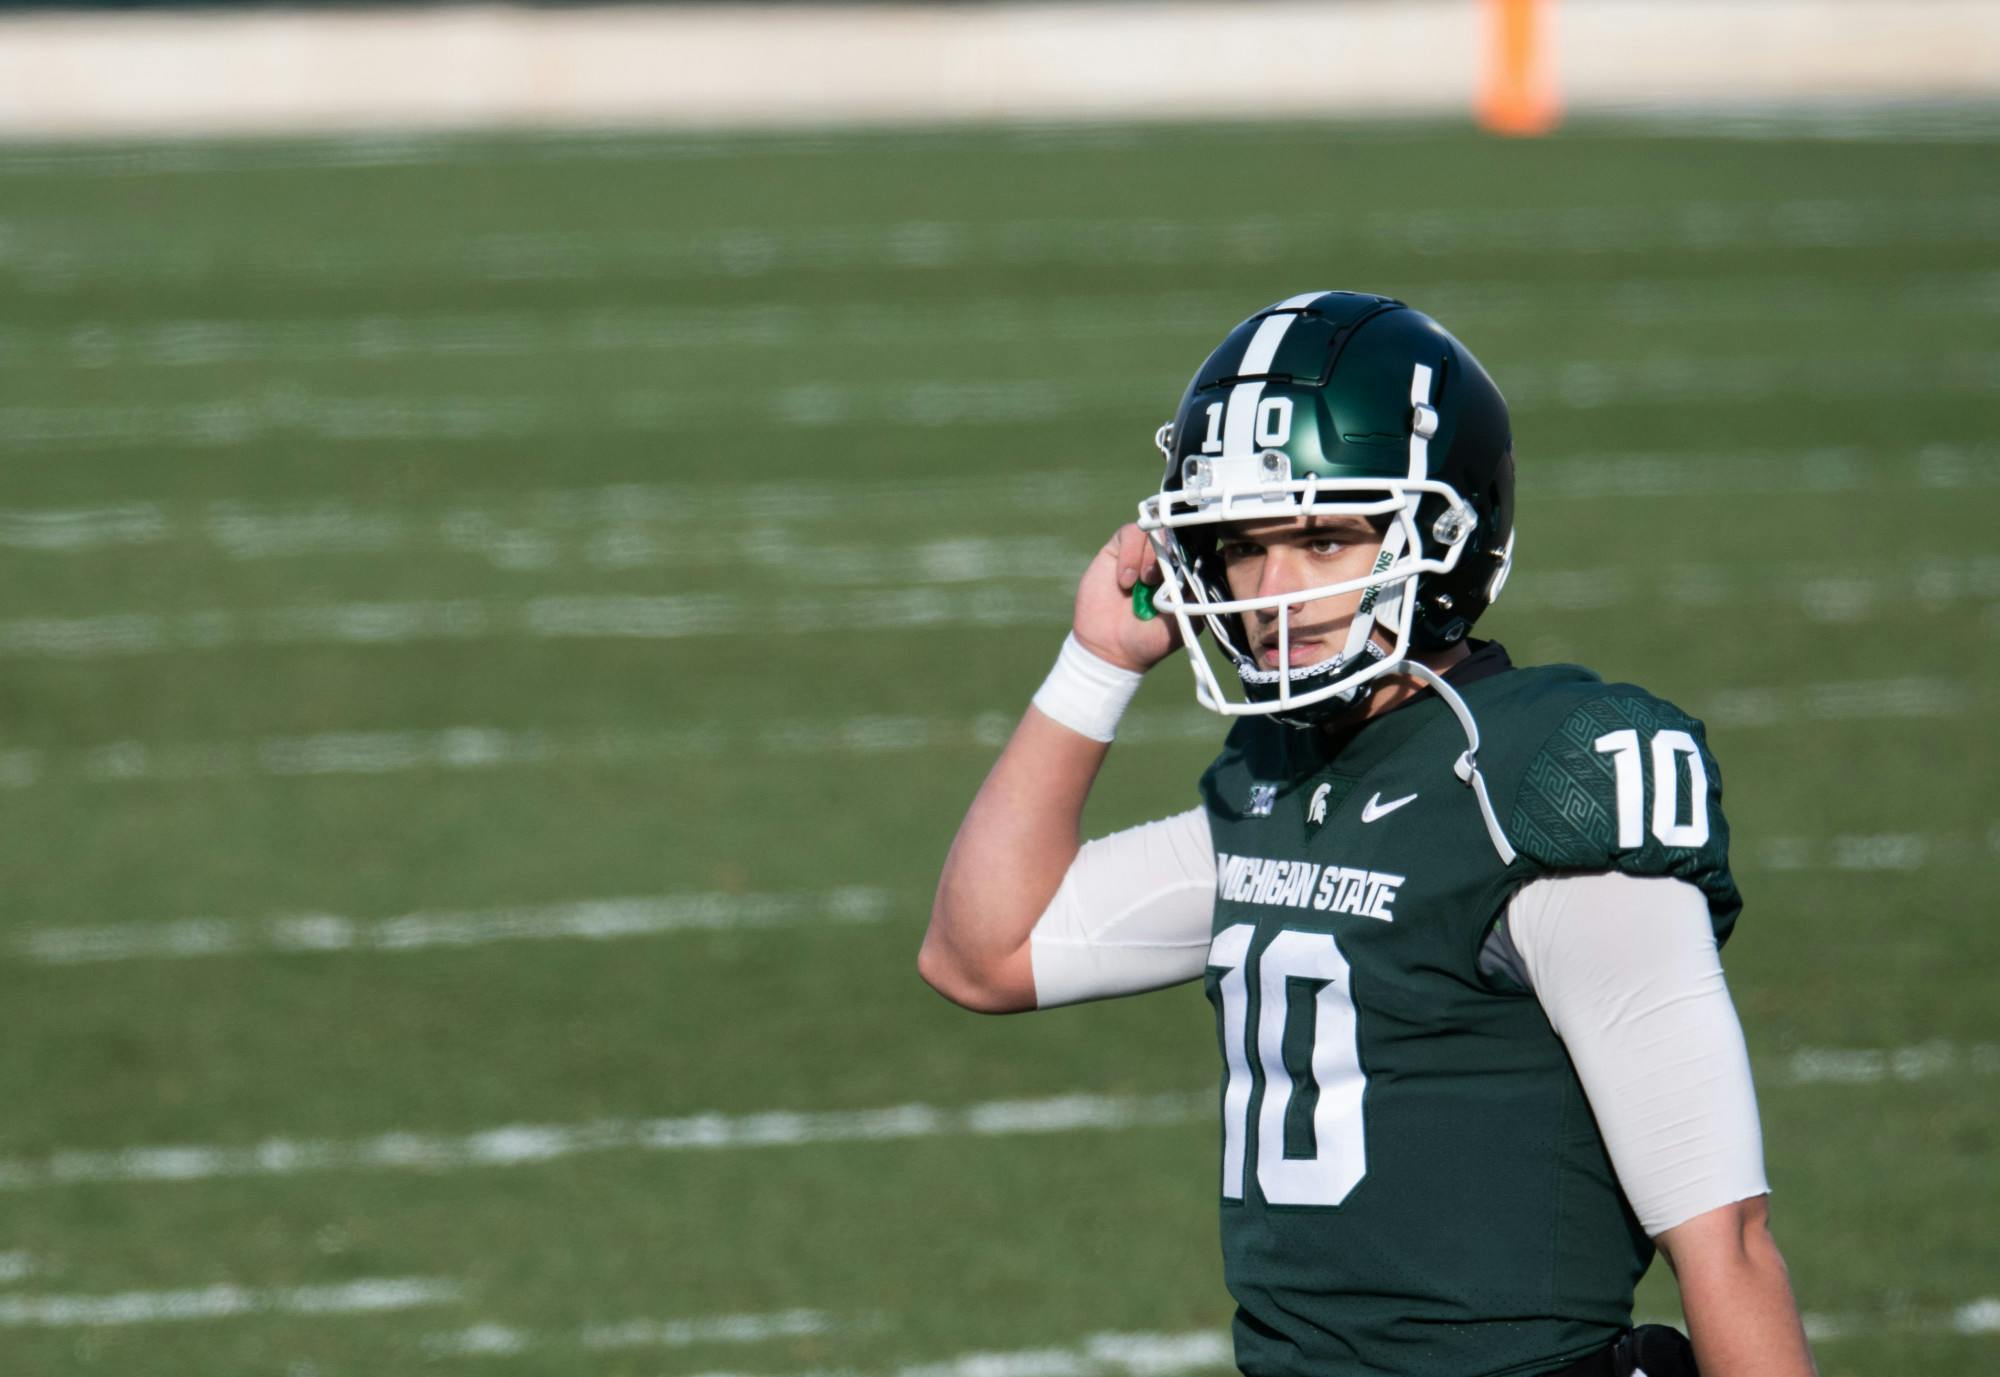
{"x": 1279, "y": 575}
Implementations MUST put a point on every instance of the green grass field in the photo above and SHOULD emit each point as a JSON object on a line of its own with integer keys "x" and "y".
{"x": 498, "y": 636}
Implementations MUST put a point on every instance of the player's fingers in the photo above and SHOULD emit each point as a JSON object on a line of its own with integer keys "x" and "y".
{"x": 1149, "y": 565}
{"x": 1132, "y": 549}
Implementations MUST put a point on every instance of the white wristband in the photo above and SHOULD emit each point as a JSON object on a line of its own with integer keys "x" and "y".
{"x": 1086, "y": 694}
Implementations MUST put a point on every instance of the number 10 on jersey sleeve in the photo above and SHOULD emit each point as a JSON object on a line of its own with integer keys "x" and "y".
{"x": 1291, "y": 964}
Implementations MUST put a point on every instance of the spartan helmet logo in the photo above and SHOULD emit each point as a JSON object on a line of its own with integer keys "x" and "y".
{"x": 1316, "y": 810}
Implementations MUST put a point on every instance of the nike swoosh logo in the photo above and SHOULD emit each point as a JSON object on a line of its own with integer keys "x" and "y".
{"x": 1375, "y": 808}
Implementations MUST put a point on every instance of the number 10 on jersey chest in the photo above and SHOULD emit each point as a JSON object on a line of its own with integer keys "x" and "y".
{"x": 1303, "y": 1157}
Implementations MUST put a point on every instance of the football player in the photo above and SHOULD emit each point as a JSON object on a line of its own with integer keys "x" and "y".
{"x": 1459, "y": 919}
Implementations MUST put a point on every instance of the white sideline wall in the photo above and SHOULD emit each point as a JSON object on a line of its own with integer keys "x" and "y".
{"x": 143, "y": 74}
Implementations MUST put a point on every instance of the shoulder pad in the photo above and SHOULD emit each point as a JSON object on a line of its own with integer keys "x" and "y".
{"x": 1626, "y": 782}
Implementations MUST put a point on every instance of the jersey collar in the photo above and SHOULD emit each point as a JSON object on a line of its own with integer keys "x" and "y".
{"x": 1354, "y": 754}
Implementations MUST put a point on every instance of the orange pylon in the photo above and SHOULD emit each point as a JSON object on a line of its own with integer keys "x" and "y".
{"x": 1517, "y": 89}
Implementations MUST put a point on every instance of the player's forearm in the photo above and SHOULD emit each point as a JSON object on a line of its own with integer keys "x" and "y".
{"x": 1737, "y": 1295}
{"x": 1010, "y": 855}
{"x": 1021, "y": 833}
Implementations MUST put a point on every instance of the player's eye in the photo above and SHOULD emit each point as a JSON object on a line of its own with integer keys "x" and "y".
{"x": 1234, "y": 550}
{"x": 1325, "y": 545}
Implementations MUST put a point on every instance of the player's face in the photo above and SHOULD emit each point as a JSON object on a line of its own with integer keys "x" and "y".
{"x": 1263, "y": 559}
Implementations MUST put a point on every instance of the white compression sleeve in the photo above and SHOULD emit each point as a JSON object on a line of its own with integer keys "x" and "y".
{"x": 1627, "y": 971}
{"x": 1133, "y": 914}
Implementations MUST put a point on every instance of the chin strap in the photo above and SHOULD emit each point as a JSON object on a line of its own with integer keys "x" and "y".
{"x": 1467, "y": 765}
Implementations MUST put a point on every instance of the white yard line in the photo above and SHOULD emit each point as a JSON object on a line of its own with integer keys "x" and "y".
{"x": 52, "y": 256}
{"x": 206, "y": 342}
{"x": 545, "y": 533}
{"x": 15, "y": 1266}
{"x": 953, "y": 583}
{"x": 1875, "y": 1065}
{"x": 473, "y": 747}
{"x": 1872, "y": 851}
{"x": 1857, "y": 121}
{"x": 648, "y": 525}
{"x": 371, "y": 1296}
{"x": 1130, "y": 1354}
{"x": 1100, "y": 1355}
{"x": 520, "y": 1144}
{"x": 1162, "y": 1354}
{"x": 290, "y": 414}
{"x": 594, "y": 920}
{"x": 491, "y": 1339}
{"x": 172, "y": 156}
{"x": 486, "y": 748}
{"x": 709, "y": 1329}
{"x": 613, "y": 616}
{"x": 1974, "y": 1317}
{"x": 524, "y": 1144}
{"x": 602, "y": 920}
{"x": 1860, "y": 700}
{"x": 1935, "y": 120}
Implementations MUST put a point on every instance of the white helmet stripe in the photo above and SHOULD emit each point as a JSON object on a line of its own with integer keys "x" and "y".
{"x": 1420, "y": 435}
{"x": 1499, "y": 579}
{"x": 1389, "y": 605}
{"x": 1239, "y": 422}
{"x": 1375, "y": 601}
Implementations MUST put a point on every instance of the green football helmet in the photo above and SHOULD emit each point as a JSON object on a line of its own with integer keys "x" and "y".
{"x": 1336, "y": 403}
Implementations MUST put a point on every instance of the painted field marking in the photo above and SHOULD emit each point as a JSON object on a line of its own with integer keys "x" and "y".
{"x": 372, "y": 1296}
{"x": 600, "y": 616}
{"x": 471, "y": 747}
{"x": 637, "y": 525}
{"x": 1936, "y": 121}
{"x": 1100, "y": 1355}
{"x": 1980, "y": 1316}
{"x": 207, "y": 342}
{"x": 594, "y": 920}
{"x": 543, "y": 535}
{"x": 491, "y": 1338}
{"x": 1862, "y": 121}
{"x": 291, "y": 413}
{"x": 952, "y": 583}
{"x": 1876, "y": 1065}
{"x": 1874, "y": 851}
{"x": 602, "y": 920}
{"x": 709, "y": 1329}
{"x": 1140, "y": 1354}
{"x": 521, "y": 1144}
{"x": 56, "y": 256}
{"x": 412, "y": 148}
{"x": 15, "y": 1266}
{"x": 514, "y": 1145}
{"x": 1859, "y": 700}
{"x": 487, "y": 748}
{"x": 1161, "y": 1354}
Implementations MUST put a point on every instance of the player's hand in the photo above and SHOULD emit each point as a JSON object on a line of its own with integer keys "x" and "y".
{"x": 1105, "y": 623}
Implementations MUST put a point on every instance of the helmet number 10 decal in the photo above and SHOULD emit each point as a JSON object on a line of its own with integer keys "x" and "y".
{"x": 1274, "y": 422}
{"x": 1667, "y": 750}
{"x": 1333, "y": 1157}
{"x": 1273, "y": 428}
{"x": 1211, "y": 443}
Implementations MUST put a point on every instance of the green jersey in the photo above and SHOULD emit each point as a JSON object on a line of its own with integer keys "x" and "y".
{"x": 1412, "y": 1182}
